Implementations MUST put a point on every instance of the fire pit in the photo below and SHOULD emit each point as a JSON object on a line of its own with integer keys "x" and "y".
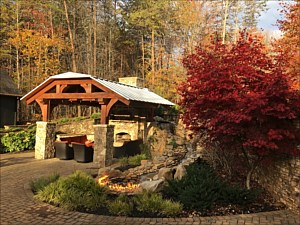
{"x": 118, "y": 187}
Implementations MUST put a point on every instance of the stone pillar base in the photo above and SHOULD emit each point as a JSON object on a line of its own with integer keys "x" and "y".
{"x": 44, "y": 140}
{"x": 103, "y": 144}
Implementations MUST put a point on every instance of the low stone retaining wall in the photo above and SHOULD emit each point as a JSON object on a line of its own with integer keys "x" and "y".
{"x": 282, "y": 180}
{"x": 77, "y": 127}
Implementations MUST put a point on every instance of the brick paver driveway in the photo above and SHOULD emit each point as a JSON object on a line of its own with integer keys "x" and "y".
{"x": 19, "y": 207}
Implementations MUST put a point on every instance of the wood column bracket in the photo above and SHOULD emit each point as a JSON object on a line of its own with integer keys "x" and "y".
{"x": 87, "y": 87}
{"x": 105, "y": 108}
{"x": 110, "y": 104}
{"x": 44, "y": 109}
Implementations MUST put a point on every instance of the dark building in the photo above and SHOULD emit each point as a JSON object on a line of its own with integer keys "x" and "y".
{"x": 9, "y": 95}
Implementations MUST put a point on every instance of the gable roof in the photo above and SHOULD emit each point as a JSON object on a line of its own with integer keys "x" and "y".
{"x": 7, "y": 86}
{"x": 128, "y": 92}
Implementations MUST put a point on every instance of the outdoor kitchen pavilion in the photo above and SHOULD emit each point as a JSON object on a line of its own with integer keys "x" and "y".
{"x": 83, "y": 89}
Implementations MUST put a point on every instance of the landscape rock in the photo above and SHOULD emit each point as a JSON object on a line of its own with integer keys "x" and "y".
{"x": 180, "y": 172}
{"x": 165, "y": 173}
{"x": 154, "y": 185}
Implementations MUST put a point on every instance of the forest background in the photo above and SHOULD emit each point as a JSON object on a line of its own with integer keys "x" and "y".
{"x": 118, "y": 38}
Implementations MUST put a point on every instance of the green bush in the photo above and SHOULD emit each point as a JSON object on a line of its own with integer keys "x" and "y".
{"x": 201, "y": 188}
{"x": 239, "y": 196}
{"x": 173, "y": 143}
{"x": 39, "y": 184}
{"x": 76, "y": 119}
{"x": 121, "y": 206}
{"x": 153, "y": 203}
{"x": 19, "y": 141}
{"x": 123, "y": 161}
{"x": 136, "y": 159}
{"x": 79, "y": 191}
{"x": 64, "y": 120}
{"x": 146, "y": 149}
{"x": 132, "y": 160}
{"x": 96, "y": 115}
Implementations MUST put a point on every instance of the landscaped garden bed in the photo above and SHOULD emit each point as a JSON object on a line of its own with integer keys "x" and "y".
{"x": 201, "y": 192}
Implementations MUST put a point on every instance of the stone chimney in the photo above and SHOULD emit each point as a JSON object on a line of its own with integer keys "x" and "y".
{"x": 132, "y": 81}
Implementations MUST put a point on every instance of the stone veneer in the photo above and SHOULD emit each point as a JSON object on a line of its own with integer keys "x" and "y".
{"x": 45, "y": 136}
{"x": 103, "y": 148}
{"x": 77, "y": 127}
{"x": 282, "y": 180}
{"x": 132, "y": 81}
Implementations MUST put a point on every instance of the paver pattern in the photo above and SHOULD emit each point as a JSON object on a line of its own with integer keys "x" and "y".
{"x": 19, "y": 207}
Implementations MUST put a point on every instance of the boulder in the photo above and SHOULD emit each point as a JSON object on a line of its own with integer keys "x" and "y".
{"x": 154, "y": 185}
{"x": 180, "y": 172}
{"x": 165, "y": 173}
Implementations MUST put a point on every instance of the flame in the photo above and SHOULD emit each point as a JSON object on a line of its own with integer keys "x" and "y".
{"x": 102, "y": 181}
{"x": 128, "y": 187}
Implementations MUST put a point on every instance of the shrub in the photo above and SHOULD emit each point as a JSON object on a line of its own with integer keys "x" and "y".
{"x": 19, "y": 141}
{"x": 239, "y": 196}
{"x": 64, "y": 120}
{"x": 136, "y": 159}
{"x": 154, "y": 204}
{"x": 201, "y": 188}
{"x": 132, "y": 160}
{"x": 78, "y": 191}
{"x": 146, "y": 149}
{"x": 173, "y": 143}
{"x": 96, "y": 115}
{"x": 121, "y": 206}
{"x": 76, "y": 119}
{"x": 41, "y": 183}
{"x": 123, "y": 161}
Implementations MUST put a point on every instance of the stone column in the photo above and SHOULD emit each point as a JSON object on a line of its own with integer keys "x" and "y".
{"x": 103, "y": 144}
{"x": 44, "y": 140}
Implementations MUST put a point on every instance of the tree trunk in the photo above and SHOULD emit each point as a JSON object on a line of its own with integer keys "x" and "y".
{"x": 249, "y": 176}
{"x": 225, "y": 21}
{"x": 152, "y": 57}
{"x": 74, "y": 67}
{"x": 95, "y": 37}
{"x": 143, "y": 60}
{"x": 17, "y": 49}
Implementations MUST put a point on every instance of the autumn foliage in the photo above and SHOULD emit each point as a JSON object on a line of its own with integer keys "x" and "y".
{"x": 289, "y": 44}
{"x": 239, "y": 97}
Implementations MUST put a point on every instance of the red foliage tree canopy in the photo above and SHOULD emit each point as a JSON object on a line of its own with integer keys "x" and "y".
{"x": 240, "y": 98}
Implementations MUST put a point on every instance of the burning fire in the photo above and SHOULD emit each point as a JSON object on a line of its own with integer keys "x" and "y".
{"x": 128, "y": 187}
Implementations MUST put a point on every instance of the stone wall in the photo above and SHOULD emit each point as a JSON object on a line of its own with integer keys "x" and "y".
{"x": 77, "y": 127}
{"x": 282, "y": 180}
{"x": 135, "y": 128}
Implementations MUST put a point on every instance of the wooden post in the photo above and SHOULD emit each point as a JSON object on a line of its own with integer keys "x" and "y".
{"x": 103, "y": 114}
{"x": 44, "y": 109}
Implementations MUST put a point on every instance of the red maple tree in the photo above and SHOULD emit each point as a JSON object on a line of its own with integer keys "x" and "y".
{"x": 239, "y": 97}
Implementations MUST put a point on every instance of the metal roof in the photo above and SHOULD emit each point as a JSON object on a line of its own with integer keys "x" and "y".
{"x": 128, "y": 92}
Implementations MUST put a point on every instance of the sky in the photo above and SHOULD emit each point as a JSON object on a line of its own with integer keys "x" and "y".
{"x": 267, "y": 20}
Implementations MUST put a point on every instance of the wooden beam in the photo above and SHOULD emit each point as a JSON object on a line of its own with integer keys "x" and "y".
{"x": 97, "y": 95}
{"x": 86, "y": 83}
{"x": 61, "y": 83}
